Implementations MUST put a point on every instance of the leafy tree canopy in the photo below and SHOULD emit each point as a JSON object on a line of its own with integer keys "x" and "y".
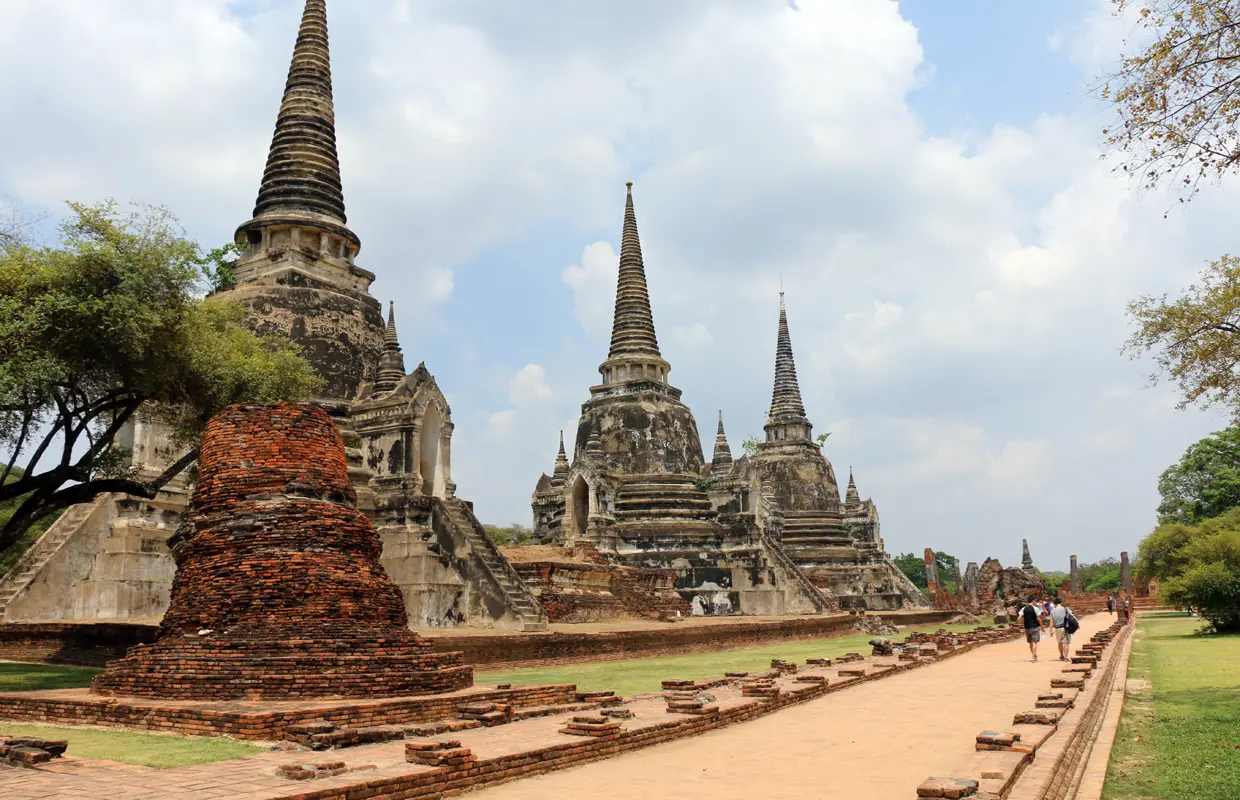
{"x": 1177, "y": 98}
{"x": 1198, "y": 567}
{"x": 914, "y": 567}
{"x": 1204, "y": 483}
{"x": 514, "y": 534}
{"x": 1195, "y": 338}
{"x": 109, "y": 321}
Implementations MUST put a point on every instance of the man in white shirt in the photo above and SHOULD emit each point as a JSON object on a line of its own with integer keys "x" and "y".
{"x": 1059, "y": 619}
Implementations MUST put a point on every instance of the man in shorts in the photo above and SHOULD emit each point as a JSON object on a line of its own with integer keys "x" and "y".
{"x": 1059, "y": 619}
{"x": 1030, "y": 617}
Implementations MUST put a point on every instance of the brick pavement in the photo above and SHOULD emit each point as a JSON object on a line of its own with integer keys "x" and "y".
{"x": 885, "y": 722}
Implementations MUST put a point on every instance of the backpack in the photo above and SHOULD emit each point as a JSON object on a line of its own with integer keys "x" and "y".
{"x": 1071, "y": 625}
{"x": 1031, "y": 617}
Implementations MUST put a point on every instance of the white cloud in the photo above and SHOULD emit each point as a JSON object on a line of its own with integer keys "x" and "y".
{"x": 529, "y": 387}
{"x": 692, "y": 337}
{"x": 958, "y": 299}
{"x": 594, "y": 288}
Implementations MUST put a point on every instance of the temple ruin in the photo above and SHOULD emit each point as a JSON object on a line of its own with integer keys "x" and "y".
{"x": 278, "y": 591}
{"x": 298, "y": 276}
{"x": 835, "y": 544}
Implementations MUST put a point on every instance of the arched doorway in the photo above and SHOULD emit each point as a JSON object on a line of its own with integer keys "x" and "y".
{"x": 428, "y": 452}
{"x": 581, "y": 505}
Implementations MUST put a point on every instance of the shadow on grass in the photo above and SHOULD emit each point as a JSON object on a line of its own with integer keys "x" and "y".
{"x": 22, "y": 677}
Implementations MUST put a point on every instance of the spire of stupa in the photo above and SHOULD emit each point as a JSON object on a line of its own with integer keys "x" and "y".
{"x": 302, "y": 179}
{"x": 561, "y": 465}
{"x": 721, "y": 462}
{"x": 632, "y": 330}
{"x": 786, "y": 420}
{"x": 391, "y": 362}
{"x": 851, "y": 497}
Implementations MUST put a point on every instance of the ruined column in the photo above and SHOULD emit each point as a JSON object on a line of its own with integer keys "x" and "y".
{"x": 1125, "y": 573}
{"x": 959, "y": 582}
{"x": 1026, "y": 562}
{"x": 932, "y": 573}
{"x": 1075, "y": 577}
{"x": 970, "y": 581}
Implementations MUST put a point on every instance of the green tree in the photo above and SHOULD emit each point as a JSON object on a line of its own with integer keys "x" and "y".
{"x": 1198, "y": 567}
{"x": 1195, "y": 338}
{"x": 109, "y": 321}
{"x": 750, "y": 445}
{"x": 1205, "y": 482}
{"x": 514, "y": 534}
{"x": 1100, "y": 576}
{"x": 914, "y": 567}
{"x": 1177, "y": 98}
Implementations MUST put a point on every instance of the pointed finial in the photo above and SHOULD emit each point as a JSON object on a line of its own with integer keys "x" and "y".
{"x": 561, "y": 441}
{"x": 786, "y": 406}
{"x": 392, "y": 313}
{"x": 302, "y": 176}
{"x": 632, "y": 330}
{"x": 721, "y": 420}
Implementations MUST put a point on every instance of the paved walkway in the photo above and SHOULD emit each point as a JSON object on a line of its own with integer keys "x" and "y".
{"x": 876, "y": 741}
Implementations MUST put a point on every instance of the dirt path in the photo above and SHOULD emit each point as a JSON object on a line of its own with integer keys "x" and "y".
{"x": 875, "y": 741}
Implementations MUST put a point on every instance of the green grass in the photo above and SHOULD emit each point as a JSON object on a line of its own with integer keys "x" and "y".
{"x": 636, "y": 675}
{"x": 146, "y": 749}
{"x": 16, "y": 677}
{"x": 1179, "y": 735}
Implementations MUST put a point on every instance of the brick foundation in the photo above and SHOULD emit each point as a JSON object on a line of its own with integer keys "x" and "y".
{"x": 279, "y": 592}
{"x": 257, "y": 719}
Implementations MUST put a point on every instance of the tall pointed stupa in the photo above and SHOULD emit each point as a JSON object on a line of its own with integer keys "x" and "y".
{"x": 296, "y": 274}
{"x": 642, "y": 426}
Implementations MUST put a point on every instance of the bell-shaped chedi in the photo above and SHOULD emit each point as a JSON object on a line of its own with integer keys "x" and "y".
{"x": 279, "y": 592}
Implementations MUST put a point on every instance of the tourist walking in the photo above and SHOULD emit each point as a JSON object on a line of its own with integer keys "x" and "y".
{"x": 1062, "y": 620}
{"x": 1110, "y": 604}
{"x": 1030, "y": 617}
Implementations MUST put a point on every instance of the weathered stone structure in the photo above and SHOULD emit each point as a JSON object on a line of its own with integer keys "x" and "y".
{"x": 297, "y": 273}
{"x": 634, "y": 489}
{"x": 1026, "y": 561}
{"x": 1074, "y": 576}
{"x": 297, "y": 277}
{"x": 836, "y": 545}
{"x": 279, "y": 592}
{"x": 1125, "y": 573}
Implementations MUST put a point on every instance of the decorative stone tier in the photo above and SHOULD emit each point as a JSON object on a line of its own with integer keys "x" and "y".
{"x": 662, "y": 497}
{"x": 279, "y": 592}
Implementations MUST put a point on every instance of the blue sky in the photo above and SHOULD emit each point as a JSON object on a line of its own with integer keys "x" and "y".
{"x": 924, "y": 176}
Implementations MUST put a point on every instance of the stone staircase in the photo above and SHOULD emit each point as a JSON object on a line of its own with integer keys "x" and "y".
{"x": 787, "y": 571}
{"x": 661, "y": 497}
{"x": 815, "y": 528}
{"x": 520, "y": 599}
{"x": 28, "y": 566}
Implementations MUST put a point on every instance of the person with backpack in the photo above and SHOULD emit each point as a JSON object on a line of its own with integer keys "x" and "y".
{"x": 1065, "y": 625}
{"x": 1110, "y": 604}
{"x": 1031, "y": 619}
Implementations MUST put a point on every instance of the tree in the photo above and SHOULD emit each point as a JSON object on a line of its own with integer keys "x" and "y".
{"x": 106, "y": 323}
{"x": 1197, "y": 336}
{"x": 1178, "y": 98}
{"x": 750, "y": 445}
{"x": 1100, "y": 576}
{"x": 1204, "y": 483}
{"x": 1198, "y": 567}
{"x": 914, "y": 567}
{"x": 514, "y": 534}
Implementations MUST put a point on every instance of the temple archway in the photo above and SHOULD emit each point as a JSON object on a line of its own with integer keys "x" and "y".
{"x": 430, "y": 463}
{"x": 581, "y": 505}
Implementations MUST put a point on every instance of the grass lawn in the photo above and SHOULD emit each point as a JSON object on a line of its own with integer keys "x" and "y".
{"x": 15, "y": 677}
{"x": 146, "y": 749}
{"x": 1179, "y": 735}
{"x": 635, "y": 675}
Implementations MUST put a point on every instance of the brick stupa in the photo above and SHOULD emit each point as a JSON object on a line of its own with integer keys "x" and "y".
{"x": 279, "y": 593}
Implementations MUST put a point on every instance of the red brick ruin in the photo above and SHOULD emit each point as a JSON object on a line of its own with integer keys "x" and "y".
{"x": 279, "y": 593}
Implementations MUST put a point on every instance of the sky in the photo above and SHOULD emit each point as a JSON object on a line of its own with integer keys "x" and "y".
{"x": 923, "y": 177}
